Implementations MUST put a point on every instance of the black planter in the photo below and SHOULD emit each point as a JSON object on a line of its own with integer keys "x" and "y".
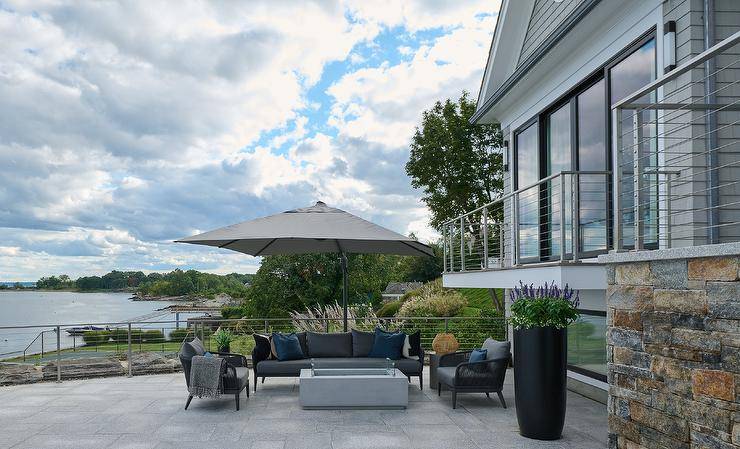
{"x": 540, "y": 357}
{"x": 224, "y": 349}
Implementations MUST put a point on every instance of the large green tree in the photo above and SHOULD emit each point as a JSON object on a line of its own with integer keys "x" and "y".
{"x": 456, "y": 164}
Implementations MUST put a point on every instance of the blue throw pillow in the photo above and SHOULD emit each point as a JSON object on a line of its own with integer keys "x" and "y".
{"x": 387, "y": 345}
{"x": 287, "y": 347}
{"x": 478, "y": 355}
{"x": 207, "y": 354}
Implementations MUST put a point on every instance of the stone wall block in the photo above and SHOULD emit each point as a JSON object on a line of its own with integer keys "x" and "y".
{"x": 674, "y": 353}
{"x": 713, "y": 269}
{"x": 633, "y": 274}
{"x": 693, "y": 339}
{"x": 626, "y": 338}
{"x": 673, "y": 426}
{"x": 723, "y": 299}
{"x": 671, "y": 368}
{"x": 692, "y": 302}
{"x": 714, "y": 383}
{"x": 730, "y": 359}
{"x": 669, "y": 274}
{"x": 625, "y": 356}
{"x": 628, "y": 319}
{"x": 629, "y": 297}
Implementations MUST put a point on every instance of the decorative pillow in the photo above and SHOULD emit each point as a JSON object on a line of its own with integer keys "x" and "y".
{"x": 362, "y": 343}
{"x": 496, "y": 349}
{"x": 387, "y": 345}
{"x": 477, "y": 355}
{"x": 273, "y": 351}
{"x": 287, "y": 346}
{"x": 329, "y": 345}
{"x": 207, "y": 354}
{"x": 192, "y": 348}
{"x": 302, "y": 338}
{"x": 262, "y": 350}
{"x": 412, "y": 346}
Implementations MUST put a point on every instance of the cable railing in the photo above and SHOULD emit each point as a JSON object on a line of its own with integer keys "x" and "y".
{"x": 121, "y": 348}
{"x": 675, "y": 182}
{"x": 677, "y": 158}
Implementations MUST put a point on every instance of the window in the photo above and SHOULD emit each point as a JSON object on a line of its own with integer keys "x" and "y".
{"x": 527, "y": 172}
{"x": 558, "y": 159}
{"x": 587, "y": 344}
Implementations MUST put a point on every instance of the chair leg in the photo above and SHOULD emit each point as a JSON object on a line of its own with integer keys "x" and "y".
{"x": 187, "y": 404}
{"x": 488, "y": 395}
{"x": 263, "y": 380}
{"x": 421, "y": 382}
{"x": 247, "y": 389}
{"x": 236, "y": 397}
{"x": 255, "y": 383}
{"x": 454, "y": 399}
{"x": 439, "y": 389}
{"x": 501, "y": 398}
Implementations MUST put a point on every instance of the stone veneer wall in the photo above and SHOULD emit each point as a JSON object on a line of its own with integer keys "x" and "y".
{"x": 673, "y": 352}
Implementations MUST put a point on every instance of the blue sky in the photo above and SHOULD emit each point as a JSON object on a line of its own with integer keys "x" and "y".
{"x": 124, "y": 126}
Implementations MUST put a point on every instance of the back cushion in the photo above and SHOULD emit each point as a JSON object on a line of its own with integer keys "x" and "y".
{"x": 192, "y": 348}
{"x": 496, "y": 349}
{"x": 362, "y": 343}
{"x": 304, "y": 343}
{"x": 329, "y": 345}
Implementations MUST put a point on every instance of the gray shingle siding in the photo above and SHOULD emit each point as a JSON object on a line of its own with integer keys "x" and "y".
{"x": 546, "y": 17}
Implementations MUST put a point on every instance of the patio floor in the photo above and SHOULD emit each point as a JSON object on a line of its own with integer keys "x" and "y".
{"x": 147, "y": 412}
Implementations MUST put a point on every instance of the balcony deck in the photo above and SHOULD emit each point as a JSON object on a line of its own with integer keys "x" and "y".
{"x": 147, "y": 412}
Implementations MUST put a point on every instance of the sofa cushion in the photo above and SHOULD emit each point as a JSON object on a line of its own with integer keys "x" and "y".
{"x": 192, "y": 348}
{"x": 329, "y": 345}
{"x": 496, "y": 349}
{"x": 304, "y": 343}
{"x": 387, "y": 344}
{"x": 262, "y": 350}
{"x": 286, "y": 368}
{"x": 362, "y": 343}
{"x": 287, "y": 346}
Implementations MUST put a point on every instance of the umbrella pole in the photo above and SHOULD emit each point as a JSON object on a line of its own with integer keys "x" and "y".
{"x": 345, "y": 287}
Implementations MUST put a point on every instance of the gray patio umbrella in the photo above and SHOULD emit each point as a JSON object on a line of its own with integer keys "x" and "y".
{"x": 314, "y": 229}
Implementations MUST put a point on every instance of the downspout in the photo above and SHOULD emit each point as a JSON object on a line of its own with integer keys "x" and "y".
{"x": 711, "y": 134}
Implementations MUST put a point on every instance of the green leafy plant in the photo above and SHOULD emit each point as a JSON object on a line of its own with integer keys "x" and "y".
{"x": 223, "y": 338}
{"x": 95, "y": 337}
{"x": 544, "y": 306}
{"x": 433, "y": 300}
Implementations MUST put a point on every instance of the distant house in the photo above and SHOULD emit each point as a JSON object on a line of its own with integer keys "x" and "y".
{"x": 394, "y": 290}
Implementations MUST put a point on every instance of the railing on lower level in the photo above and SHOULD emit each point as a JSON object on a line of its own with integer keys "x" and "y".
{"x": 126, "y": 341}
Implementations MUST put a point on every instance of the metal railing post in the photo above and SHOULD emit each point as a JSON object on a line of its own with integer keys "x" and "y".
{"x": 637, "y": 180}
{"x": 576, "y": 215}
{"x": 501, "y": 245}
{"x": 515, "y": 230}
{"x": 562, "y": 218}
{"x": 59, "y": 354}
{"x": 447, "y": 325}
{"x": 668, "y": 210}
{"x": 452, "y": 247}
{"x": 617, "y": 242}
{"x": 130, "y": 361}
{"x": 485, "y": 238}
{"x": 42, "y": 344}
{"x": 267, "y": 328}
{"x": 462, "y": 244}
{"x": 444, "y": 249}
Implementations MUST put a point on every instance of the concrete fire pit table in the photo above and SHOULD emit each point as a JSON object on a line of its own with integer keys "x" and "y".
{"x": 348, "y": 388}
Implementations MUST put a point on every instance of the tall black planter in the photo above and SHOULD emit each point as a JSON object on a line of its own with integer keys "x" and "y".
{"x": 540, "y": 357}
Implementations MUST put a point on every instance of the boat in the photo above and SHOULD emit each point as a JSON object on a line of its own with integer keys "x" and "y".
{"x": 82, "y": 329}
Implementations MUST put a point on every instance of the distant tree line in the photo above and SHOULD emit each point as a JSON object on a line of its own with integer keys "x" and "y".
{"x": 174, "y": 283}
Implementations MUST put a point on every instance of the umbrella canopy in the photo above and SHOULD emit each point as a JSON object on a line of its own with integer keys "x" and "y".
{"x": 314, "y": 229}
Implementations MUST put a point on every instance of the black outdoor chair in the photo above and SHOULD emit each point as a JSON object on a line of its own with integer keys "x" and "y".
{"x": 461, "y": 376}
{"x": 234, "y": 379}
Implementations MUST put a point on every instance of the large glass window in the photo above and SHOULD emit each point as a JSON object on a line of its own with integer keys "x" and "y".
{"x": 587, "y": 344}
{"x": 527, "y": 171}
{"x": 558, "y": 160}
{"x": 627, "y": 76}
{"x": 593, "y": 192}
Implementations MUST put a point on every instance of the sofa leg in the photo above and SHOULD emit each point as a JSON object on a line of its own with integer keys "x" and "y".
{"x": 187, "y": 404}
{"x": 488, "y": 395}
{"x": 454, "y": 399}
{"x": 263, "y": 380}
{"x": 501, "y": 398}
{"x": 439, "y": 389}
{"x": 236, "y": 397}
{"x": 247, "y": 390}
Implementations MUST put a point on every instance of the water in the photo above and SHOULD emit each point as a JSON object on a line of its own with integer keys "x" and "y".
{"x": 18, "y": 308}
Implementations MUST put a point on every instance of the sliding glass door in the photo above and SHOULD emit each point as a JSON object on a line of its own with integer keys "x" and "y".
{"x": 527, "y": 171}
{"x": 559, "y": 157}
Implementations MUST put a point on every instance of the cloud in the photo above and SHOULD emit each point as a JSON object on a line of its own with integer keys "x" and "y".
{"x": 124, "y": 126}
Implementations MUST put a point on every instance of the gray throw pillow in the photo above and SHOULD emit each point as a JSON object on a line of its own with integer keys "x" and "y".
{"x": 496, "y": 349}
{"x": 329, "y": 345}
{"x": 192, "y": 348}
{"x": 362, "y": 343}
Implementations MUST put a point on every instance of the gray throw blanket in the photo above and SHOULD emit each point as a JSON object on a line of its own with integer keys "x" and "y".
{"x": 205, "y": 376}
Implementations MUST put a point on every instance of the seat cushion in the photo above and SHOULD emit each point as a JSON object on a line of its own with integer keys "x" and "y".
{"x": 286, "y": 368}
{"x": 362, "y": 343}
{"x": 446, "y": 375}
{"x": 329, "y": 345}
{"x": 287, "y": 346}
{"x": 234, "y": 385}
{"x": 496, "y": 349}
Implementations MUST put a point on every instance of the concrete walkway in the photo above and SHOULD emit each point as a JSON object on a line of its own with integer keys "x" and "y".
{"x": 147, "y": 412}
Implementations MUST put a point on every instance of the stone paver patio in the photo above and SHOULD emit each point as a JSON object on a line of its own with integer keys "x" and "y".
{"x": 147, "y": 412}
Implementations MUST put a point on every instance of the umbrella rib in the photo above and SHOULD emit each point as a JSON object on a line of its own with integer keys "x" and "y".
{"x": 265, "y": 247}
{"x": 227, "y": 243}
{"x": 415, "y": 248}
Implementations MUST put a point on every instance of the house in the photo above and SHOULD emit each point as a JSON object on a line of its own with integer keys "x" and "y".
{"x": 620, "y": 122}
{"x": 394, "y": 290}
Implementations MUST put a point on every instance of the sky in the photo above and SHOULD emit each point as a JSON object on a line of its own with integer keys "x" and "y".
{"x": 127, "y": 125}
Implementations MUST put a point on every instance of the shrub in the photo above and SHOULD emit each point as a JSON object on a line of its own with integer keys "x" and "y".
{"x": 120, "y": 335}
{"x": 543, "y": 306}
{"x": 433, "y": 300}
{"x": 233, "y": 312}
{"x": 179, "y": 335}
{"x": 152, "y": 336}
{"x": 389, "y": 309}
{"x": 95, "y": 337}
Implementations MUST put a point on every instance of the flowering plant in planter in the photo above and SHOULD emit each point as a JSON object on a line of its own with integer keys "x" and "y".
{"x": 544, "y": 306}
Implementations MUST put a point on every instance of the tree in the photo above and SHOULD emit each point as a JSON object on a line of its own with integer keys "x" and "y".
{"x": 454, "y": 162}
{"x": 423, "y": 269}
